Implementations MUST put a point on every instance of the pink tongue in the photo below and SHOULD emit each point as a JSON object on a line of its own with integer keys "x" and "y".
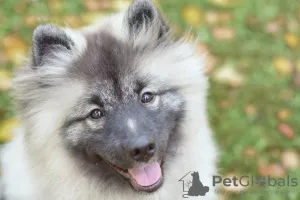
{"x": 147, "y": 175}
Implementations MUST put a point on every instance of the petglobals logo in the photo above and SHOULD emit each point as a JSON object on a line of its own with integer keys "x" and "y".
{"x": 192, "y": 185}
{"x": 262, "y": 181}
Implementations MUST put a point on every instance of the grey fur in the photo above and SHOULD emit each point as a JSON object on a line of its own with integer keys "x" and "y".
{"x": 64, "y": 152}
{"x": 47, "y": 40}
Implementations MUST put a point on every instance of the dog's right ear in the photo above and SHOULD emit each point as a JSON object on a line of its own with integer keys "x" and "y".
{"x": 143, "y": 13}
{"x": 48, "y": 42}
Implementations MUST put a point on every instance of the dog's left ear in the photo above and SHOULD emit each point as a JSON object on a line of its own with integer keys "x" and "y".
{"x": 143, "y": 13}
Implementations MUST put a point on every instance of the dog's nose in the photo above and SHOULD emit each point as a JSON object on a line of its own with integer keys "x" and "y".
{"x": 144, "y": 152}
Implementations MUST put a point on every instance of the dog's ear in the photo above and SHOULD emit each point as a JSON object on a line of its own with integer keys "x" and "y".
{"x": 142, "y": 14}
{"x": 48, "y": 41}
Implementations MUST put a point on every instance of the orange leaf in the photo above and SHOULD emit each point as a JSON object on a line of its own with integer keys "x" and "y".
{"x": 286, "y": 130}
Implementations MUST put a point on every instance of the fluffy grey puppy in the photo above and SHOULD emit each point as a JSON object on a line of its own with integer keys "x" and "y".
{"x": 113, "y": 111}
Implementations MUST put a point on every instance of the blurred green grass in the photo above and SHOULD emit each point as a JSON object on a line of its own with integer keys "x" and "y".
{"x": 252, "y": 35}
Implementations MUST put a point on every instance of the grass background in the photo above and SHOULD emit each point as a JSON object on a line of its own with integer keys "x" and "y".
{"x": 254, "y": 62}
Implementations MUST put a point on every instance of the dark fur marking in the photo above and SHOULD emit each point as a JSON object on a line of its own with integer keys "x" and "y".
{"x": 48, "y": 39}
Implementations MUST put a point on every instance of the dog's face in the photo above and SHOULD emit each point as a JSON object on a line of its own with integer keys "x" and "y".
{"x": 115, "y": 92}
{"x": 123, "y": 117}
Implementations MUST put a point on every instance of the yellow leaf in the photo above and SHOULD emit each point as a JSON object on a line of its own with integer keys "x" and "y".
{"x": 15, "y": 49}
{"x": 229, "y": 75}
{"x": 7, "y": 128}
{"x": 283, "y": 66}
{"x": 121, "y": 4}
{"x": 284, "y": 114}
{"x": 5, "y": 80}
{"x": 192, "y": 15}
{"x": 291, "y": 40}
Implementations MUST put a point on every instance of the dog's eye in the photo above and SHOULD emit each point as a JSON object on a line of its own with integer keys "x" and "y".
{"x": 96, "y": 114}
{"x": 147, "y": 97}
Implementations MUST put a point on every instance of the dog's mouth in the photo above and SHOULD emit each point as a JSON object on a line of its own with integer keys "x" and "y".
{"x": 148, "y": 178}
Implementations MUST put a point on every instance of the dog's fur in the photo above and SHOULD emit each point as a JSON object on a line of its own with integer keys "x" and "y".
{"x": 110, "y": 64}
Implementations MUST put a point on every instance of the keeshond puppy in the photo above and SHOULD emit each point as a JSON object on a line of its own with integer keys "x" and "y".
{"x": 113, "y": 111}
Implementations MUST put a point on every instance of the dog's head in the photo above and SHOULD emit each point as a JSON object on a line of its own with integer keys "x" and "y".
{"x": 116, "y": 91}
{"x": 195, "y": 175}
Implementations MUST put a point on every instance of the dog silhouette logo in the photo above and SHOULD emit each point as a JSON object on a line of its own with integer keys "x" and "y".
{"x": 192, "y": 186}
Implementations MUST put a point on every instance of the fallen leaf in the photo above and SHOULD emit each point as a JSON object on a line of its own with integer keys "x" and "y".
{"x": 95, "y": 5}
{"x": 192, "y": 15}
{"x": 284, "y": 114}
{"x": 290, "y": 160}
{"x": 7, "y": 128}
{"x": 15, "y": 49}
{"x": 229, "y": 75}
{"x": 212, "y": 17}
{"x": 272, "y": 27}
{"x": 283, "y": 66}
{"x": 250, "y": 110}
{"x": 286, "y": 130}
{"x": 5, "y": 80}
{"x": 31, "y": 21}
{"x": 250, "y": 152}
{"x": 274, "y": 170}
{"x": 291, "y": 40}
{"x": 235, "y": 189}
{"x": 223, "y": 33}
{"x": 121, "y": 4}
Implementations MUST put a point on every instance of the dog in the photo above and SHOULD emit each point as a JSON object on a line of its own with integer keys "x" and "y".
{"x": 112, "y": 111}
{"x": 197, "y": 187}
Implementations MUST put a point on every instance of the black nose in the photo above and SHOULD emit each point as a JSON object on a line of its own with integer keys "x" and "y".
{"x": 143, "y": 152}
